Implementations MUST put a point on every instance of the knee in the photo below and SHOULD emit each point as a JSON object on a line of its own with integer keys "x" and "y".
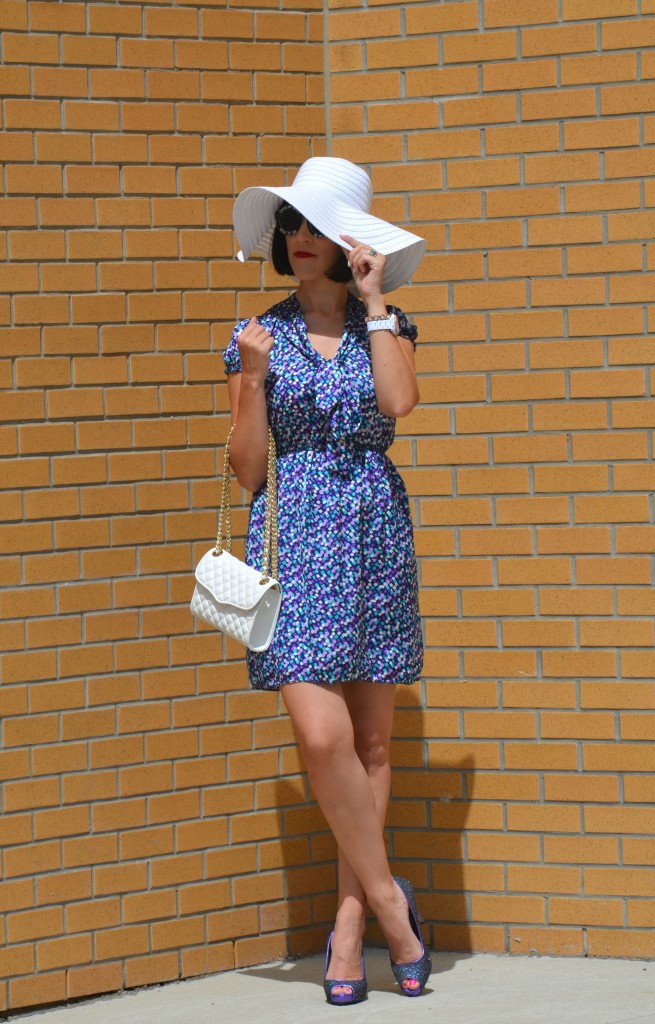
{"x": 372, "y": 751}
{"x": 321, "y": 748}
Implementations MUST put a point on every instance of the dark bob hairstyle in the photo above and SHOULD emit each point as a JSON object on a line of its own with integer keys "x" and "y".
{"x": 340, "y": 271}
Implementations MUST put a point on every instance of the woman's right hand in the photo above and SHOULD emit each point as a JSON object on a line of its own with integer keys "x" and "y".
{"x": 255, "y": 344}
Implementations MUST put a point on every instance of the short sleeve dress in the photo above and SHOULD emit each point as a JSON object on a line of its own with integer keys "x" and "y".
{"x": 347, "y": 566}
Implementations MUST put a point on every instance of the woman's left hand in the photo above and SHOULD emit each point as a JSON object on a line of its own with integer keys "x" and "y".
{"x": 367, "y": 266}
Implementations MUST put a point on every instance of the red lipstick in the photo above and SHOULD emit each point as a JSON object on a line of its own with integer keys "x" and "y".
{"x": 302, "y": 255}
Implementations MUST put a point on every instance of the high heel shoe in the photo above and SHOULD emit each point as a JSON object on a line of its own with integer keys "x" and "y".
{"x": 357, "y": 987}
{"x": 419, "y": 969}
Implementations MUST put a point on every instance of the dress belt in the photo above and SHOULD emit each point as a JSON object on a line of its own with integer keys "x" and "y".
{"x": 332, "y": 449}
{"x": 342, "y": 458}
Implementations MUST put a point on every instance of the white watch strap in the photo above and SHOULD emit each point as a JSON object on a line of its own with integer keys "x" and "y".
{"x": 389, "y": 324}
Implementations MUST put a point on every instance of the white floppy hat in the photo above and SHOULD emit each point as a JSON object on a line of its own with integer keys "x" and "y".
{"x": 335, "y": 196}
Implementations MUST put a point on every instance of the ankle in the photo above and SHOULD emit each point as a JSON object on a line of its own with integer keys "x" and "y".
{"x": 349, "y": 939}
{"x": 385, "y": 898}
{"x": 351, "y": 918}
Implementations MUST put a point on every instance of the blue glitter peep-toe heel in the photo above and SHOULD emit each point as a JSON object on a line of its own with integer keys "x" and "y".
{"x": 357, "y": 988}
{"x": 419, "y": 969}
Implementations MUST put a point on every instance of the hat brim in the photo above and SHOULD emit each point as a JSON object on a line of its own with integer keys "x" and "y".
{"x": 254, "y": 222}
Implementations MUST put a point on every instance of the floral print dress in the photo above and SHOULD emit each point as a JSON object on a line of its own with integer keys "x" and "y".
{"x": 346, "y": 554}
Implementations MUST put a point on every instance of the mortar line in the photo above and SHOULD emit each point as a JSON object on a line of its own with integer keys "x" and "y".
{"x": 327, "y": 98}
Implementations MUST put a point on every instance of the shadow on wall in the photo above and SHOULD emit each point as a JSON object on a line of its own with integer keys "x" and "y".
{"x": 428, "y": 813}
{"x": 425, "y": 830}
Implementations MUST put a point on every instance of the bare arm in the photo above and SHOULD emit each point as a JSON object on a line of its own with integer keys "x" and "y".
{"x": 394, "y": 372}
{"x": 249, "y": 445}
{"x": 394, "y": 369}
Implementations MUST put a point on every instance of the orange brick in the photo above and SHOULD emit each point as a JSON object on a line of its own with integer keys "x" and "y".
{"x": 259, "y": 950}
{"x": 634, "y": 602}
{"x": 625, "y": 163}
{"x": 177, "y": 870}
{"x": 61, "y": 822}
{"x": 166, "y": 934}
{"x": 563, "y": 167}
{"x": 475, "y": 111}
{"x": 603, "y": 68}
{"x": 536, "y": 106}
{"x": 612, "y": 942}
{"x": 632, "y": 414}
{"x": 639, "y": 912}
{"x": 32, "y": 991}
{"x": 550, "y": 818}
{"x": 636, "y": 727}
{"x": 124, "y": 941}
{"x": 518, "y": 694}
{"x": 26, "y": 113}
{"x": 556, "y": 633}
{"x": 544, "y": 879}
{"x": 14, "y": 15}
{"x": 207, "y": 960}
{"x": 508, "y": 908}
{"x": 81, "y": 917}
{"x": 476, "y": 47}
{"x": 92, "y": 980}
{"x": 64, "y": 951}
{"x": 636, "y": 851}
{"x": 611, "y": 508}
{"x": 617, "y": 757}
{"x": 17, "y": 960}
{"x": 627, "y": 350}
{"x": 498, "y": 13}
{"x": 612, "y": 882}
{"x": 403, "y": 115}
{"x": 536, "y": 756}
{"x": 563, "y": 39}
{"x": 586, "y": 911}
{"x": 519, "y": 75}
{"x": 631, "y": 289}
{"x": 619, "y": 132}
{"x": 581, "y": 663}
{"x": 89, "y": 850}
{"x": 618, "y": 383}
{"x": 364, "y": 24}
{"x": 627, "y": 98}
{"x": 575, "y": 10}
{"x": 273, "y": 26}
{"x": 620, "y": 570}
{"x": 431, "y": 82}
{"x": 580, "y": 849}
{"x": 148, "y": 906}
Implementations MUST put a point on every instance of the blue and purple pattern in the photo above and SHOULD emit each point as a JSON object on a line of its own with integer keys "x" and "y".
{"x": 346, "y": 552}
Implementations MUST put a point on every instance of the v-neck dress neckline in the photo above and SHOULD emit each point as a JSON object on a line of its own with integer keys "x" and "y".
{"x": 315, "y": 355}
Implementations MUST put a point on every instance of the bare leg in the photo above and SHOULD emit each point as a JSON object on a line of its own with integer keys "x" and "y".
{"x": 326, "y": 736}
{"x": 371, "y": 709}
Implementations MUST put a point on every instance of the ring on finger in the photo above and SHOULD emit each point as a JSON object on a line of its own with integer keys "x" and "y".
{"x": 372, "y": 252}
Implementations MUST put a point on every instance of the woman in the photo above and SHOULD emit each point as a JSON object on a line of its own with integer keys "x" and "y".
{"x": 330, "y": 373}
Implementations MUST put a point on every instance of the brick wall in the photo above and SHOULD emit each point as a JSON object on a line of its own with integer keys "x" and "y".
{"x": 141, "y": 786}
{"x": 516, "y": 136}
{"x": 155, "y": 821}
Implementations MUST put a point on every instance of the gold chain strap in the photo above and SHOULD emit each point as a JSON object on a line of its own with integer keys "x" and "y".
{"x": 270, "y": 561}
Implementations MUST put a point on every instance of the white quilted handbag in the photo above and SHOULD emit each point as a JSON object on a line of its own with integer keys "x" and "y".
{"x": 230, "y": 595}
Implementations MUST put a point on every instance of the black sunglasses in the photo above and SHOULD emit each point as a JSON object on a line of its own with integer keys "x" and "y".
{"x": 289, "y": 221}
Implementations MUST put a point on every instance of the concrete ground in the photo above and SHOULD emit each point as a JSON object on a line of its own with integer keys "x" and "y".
{"x": 463, "y": 989}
